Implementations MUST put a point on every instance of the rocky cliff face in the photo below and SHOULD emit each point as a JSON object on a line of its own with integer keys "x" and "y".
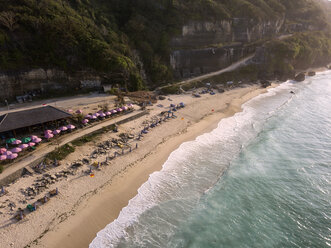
{"x": 14, "y": 84}
{"x": 200, "y": 48}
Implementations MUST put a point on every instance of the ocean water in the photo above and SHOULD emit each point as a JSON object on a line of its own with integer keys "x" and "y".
{"x": 262, "y": 178}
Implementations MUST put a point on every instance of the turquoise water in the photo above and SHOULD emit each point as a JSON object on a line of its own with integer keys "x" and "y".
{"x": 261, "y": 179}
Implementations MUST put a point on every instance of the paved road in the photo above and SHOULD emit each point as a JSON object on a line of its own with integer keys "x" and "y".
{"x": 227, "y": 69}
{"x": 66, "y": 139}
{"x": 63, "y": 102}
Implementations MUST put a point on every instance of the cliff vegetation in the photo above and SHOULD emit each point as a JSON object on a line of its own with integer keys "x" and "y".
{"x": 129, "y": 41}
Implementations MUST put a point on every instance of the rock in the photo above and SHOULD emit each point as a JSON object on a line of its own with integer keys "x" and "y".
{"x": 53, "y": 177}
{"x": 265, "y": 84}
{"x": 300, "y": 77}
{"x": 162, "y": 97}
{"x": 311, "y": 73}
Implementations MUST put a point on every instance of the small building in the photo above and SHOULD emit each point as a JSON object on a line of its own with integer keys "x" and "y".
{"x": 30, "y": 119}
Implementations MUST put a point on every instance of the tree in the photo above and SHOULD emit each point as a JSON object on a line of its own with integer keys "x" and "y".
{"x": 8, "y": 19}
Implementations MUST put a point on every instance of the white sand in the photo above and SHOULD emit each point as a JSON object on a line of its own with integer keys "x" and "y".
{"x": 86, "y": 205}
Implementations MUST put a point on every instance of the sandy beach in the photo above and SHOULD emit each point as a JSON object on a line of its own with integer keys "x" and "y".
{"x": 85, "y": 205}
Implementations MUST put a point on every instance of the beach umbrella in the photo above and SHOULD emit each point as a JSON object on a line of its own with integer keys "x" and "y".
{"x": 17, "y": 142}
{"x": 7, "y": 153}
{"x": 113, "y": 111}
{"x": 172, "y": 105}
{"x": 2, "y": 150}
{"x": 124, "y": 108}
{"x": 13, "y": 156}
{"x": 88, "y": 116}
{"x": 108, "y": 113}
{"x": 16, "y": 150}
{"x": 3, "y": 157}
{"x": 26, "y": 140}
{"x": 79, "y": 111}
{"x": 102, "y": 115}
{"x": 31, "y": 144}
{"x": 119, "y": 110}
{"x": 130, "y": 105}
{"x": 85, "y": 121}
{"x": 97, "y": 114}
{"x": 48, "y": 131}
{"x": 33, "y": 137}
{"x": 23, "y": 146}
{"x": 57, "y": 131}
{"x": 70, "y": 126}
{"x": 49, "y": 135}
{"x": 37, "y": 140}
{"x": 64, "y": 128}
{"x": 10, "y": 141}
{"x": 70, "y": 110}
{"x": 94, "y": 117}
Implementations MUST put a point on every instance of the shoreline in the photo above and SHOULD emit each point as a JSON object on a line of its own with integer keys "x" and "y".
{"x": 105, "y": 205}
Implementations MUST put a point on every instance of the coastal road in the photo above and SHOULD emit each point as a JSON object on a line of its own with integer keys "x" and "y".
{"x": 232, "y": 67}
{"x": 63, "y": 102}
{"x": 47, "y": 148}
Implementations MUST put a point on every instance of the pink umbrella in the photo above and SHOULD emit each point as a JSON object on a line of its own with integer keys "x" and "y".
{"x": 33, "y": 137}
{"x": 119, "y": 110}
{"x": 57, "y": 131}
{"x": 7, "y": 153}
{"x": 97, "y": 114}
{"x": 31, "y": 144}
{"x": 70, "y": 110}
{"x": 79, "y": 111}
{"x": 23, "y": 146}
{"x": 85, "y": 121}
{"x": 94, "y": 117}
{"x": 108, "y": 113}
{"x": 2, "y": 150}
{"x": 17, "y": 142}
{"x": 63, "y": 128}
{"x": 49, "y": 135}
{"x": 113, "y": 111}
{"x": 88, "y": 116}
{"x": 48, "y": 131}
{"x": 37, "y": 140}
{"x": 71, "y": 126}
{"x": 130, "y": 105}
{"x": 16, "y": 150}
{"x": 3, "y": 157}
{"x": 13, "y": 156}
{"x": 102, "y": 115}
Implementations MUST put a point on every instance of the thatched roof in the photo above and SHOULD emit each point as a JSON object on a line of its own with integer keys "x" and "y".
{"x": 30, "y": 117}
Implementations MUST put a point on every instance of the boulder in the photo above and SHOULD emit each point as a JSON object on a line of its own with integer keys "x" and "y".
{"x": 300, "y": 77}
{"x": 311, "y": 73}
{"x": 265, "y": 84}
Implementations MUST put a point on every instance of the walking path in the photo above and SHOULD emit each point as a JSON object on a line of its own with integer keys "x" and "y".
{"x": 39, "y": 153}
